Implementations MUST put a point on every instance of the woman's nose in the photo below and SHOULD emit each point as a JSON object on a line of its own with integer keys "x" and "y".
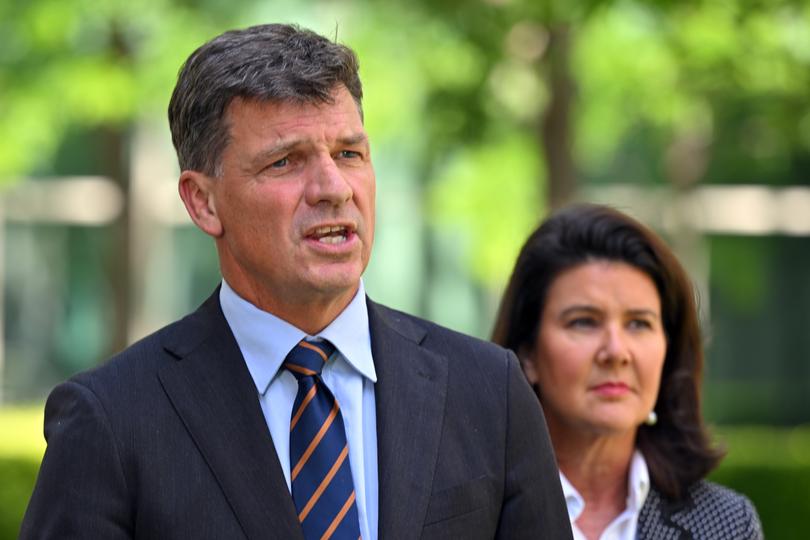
{"x": 614, "y": 347}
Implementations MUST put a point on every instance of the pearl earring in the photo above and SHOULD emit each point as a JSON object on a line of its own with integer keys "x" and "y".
{"x": 651, "y": 419}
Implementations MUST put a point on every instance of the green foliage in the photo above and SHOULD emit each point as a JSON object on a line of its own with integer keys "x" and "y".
{"x": 745, "y": 290}
{"x": 430, "y": 57}
{"x": 651, "y": 78}
{"x": 620, "y": 91}
{"x": 21, "y": 449}
{"x": 717, "y": 87}
{"x": 757, "y": 369}
{"x": 757, "y": 445}
{"x": 780, "y": 493}
{"x": 772, "y": 467}
{"x": 86, "y": 63}
{"x": 489, "y": 196}
{"x": 665, "y": 92}
{"x": 19, "y": 475}
{"x": 22, "y": 429}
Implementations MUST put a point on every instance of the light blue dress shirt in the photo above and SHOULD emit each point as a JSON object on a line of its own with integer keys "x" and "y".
{"x": 265, "y": 340}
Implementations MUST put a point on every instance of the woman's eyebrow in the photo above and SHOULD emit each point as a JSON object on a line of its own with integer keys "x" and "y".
{"x": 644, "y": 312}
{"x": 576, "y": 308}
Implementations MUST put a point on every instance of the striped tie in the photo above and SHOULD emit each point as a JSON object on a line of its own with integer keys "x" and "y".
{"x": 322, "y": 488}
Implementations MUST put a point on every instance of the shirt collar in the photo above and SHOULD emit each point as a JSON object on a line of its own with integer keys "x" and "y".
{"x": 265, "y": 339}
{"x": 573, "y": 500}
{"x": 638, "y": 486}
{"x": 638, "y": 482}
{"x": 350, "y": 334}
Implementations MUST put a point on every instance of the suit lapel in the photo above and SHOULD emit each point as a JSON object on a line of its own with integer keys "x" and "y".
{"x": 410, "y": 394}
{"x": 212, "y": 391}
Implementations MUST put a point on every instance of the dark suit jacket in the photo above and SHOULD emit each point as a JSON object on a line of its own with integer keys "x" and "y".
{"x": 708, "y": 512}
{"x": 168, "y": 441}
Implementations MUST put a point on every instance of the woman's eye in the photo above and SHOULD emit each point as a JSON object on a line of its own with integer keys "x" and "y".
{"x": 582, "y": 322}
{"x": 639, "y": 324}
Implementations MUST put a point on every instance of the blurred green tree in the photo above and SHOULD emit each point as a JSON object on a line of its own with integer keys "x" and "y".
{"x": 528, "y": 102}
{"x": 604, "y": 91}
{"x": 90, "y": 68}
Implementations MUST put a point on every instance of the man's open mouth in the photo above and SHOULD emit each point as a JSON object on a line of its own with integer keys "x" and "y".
{"x": 335, "y": 234}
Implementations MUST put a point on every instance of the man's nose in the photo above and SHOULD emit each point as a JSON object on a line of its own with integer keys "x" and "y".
{"x": 327, "y": 183}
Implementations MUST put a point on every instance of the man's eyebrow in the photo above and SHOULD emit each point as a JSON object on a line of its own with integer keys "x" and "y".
{"x": 271, "y": 152}
{"x": 285, "y": 146}
{"x": 355, "y": 138}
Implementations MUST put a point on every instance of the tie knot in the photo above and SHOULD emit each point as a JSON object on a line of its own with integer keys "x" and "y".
{"x": 308, "y": 357}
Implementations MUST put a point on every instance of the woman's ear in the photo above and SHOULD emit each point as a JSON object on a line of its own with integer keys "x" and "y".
{"x": 528, "y": 365}
{"x": 197, "y": 192}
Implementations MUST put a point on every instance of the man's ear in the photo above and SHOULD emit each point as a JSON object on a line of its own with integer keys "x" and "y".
{"x": 196, "y": 190}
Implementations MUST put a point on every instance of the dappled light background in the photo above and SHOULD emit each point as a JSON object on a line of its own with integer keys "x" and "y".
{"x": 484, "y": 115}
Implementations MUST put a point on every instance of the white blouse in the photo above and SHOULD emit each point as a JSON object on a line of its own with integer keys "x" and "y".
{"x": 624, "y": 526}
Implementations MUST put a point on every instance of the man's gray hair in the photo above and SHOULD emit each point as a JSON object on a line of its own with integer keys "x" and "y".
{"x": 272, "y": 62}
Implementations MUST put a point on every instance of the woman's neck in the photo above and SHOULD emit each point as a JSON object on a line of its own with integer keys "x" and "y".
{"x": 597, "y": 466}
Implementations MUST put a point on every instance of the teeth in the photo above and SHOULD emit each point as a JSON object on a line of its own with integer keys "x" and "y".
{"x": 331, "y": 239}
{"x": 335, "y": 234}
{"x": 328, "y": 230}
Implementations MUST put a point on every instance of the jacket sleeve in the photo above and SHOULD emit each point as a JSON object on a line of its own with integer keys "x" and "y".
{"x": 81, "y": 491}
{"x": 753, "y": 527}
{"x": 533, "y": 501}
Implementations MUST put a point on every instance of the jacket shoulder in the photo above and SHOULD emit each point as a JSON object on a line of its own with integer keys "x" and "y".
{"x": 431, "y": 334}
{"x": 144, "y": 357}
{"x": 710, "y": 511}
{"x": 719, "y": 504}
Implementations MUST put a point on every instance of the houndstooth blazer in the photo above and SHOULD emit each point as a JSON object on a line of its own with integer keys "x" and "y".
{"x": 709, "y": 512}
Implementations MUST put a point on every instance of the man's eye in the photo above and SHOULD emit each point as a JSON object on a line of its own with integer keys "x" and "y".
{"x": 283, "y": 162}
{"x": 349, "y": 154}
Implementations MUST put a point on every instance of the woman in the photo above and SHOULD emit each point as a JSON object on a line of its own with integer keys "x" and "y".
{"x": 603, "y": 318}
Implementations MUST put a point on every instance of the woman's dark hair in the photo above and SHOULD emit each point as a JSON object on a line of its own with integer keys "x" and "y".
{"x": 677, "y": 449}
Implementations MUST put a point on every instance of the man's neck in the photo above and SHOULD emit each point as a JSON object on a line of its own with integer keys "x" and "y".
{"x": 311, "y": 314}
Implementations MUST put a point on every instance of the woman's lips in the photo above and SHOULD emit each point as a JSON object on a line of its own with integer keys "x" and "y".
{"x": 611, "y": 389}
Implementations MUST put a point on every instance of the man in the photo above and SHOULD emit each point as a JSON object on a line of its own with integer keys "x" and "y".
{"x": 289, "y": 405}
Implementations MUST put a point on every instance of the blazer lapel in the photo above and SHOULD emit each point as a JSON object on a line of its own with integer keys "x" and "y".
{"x": 410, "y": 394}
{"x": 212, "y": 391}
{"x": 655, "y": 519}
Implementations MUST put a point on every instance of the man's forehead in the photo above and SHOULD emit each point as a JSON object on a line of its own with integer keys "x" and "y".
{"x": 341, "y": 112}
{"x": 304, "y": 102}
{"x": 293, "y": 103}
{"x": 260, "y": 131}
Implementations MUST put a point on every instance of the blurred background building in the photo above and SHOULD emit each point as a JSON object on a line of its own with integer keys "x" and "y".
{"x": 483, "y": 115}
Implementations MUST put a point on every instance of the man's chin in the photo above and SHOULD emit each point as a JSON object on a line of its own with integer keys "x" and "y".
{"x": 337, "y": 284}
